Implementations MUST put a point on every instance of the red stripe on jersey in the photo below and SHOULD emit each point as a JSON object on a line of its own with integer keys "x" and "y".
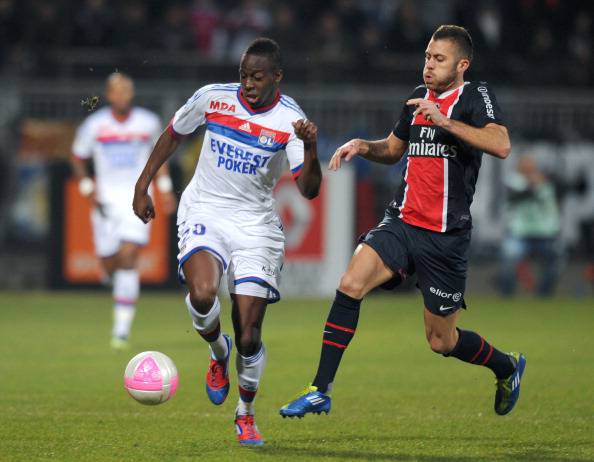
{"x": 172, "y": 132}
{"x": 423, "y": 203}
{"x": 123, "y": 138}
{"x": 246, "y": 126}
{"x": 444, "y": 105}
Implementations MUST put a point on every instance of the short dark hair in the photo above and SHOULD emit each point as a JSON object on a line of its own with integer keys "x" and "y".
{"x": 264, "y": 46}
{"x": 458, "y": 35}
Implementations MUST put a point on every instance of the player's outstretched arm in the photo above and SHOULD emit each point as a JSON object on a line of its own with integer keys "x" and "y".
{"x": 142, "y": 203}
{"x": 310, "y": 179}
{"x": 387, "y": 151}
{"x": 492, "y": 138}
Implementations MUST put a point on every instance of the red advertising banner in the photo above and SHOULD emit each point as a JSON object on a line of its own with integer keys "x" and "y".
{"x": 303, "y": 221}
{"x": 80, "y": 264}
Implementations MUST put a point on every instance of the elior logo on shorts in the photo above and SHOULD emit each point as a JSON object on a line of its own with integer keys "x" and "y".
{"x": 440, "y": 293}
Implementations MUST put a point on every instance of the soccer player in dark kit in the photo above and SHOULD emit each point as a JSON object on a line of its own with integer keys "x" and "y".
{"x": 445, "y": 126}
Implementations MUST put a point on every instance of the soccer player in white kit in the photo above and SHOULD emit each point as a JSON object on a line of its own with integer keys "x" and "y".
{"x": 226, "y": 219}
{"x": 118, "y": 139}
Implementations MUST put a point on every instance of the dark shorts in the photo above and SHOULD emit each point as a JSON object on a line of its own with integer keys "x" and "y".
{"x": 439, "y": 259}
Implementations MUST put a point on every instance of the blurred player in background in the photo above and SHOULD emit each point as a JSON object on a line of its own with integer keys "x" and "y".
{"x": 227, "y": 221}
{"x": 118, "y": 139}
{"x": 533, "y": 228}
{"x": 445, "y": 127}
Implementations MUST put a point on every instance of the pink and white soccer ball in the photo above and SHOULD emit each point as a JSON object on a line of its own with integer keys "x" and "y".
{"x": 151, "y": 377}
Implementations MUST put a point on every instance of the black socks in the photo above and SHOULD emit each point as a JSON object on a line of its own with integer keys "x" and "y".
{"x": 472, "y": 348}
{"x": 338, "y": 332}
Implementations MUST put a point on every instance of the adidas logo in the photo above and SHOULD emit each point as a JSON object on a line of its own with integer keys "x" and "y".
{"x": 515, "y": 382}
{"x": 246, "y": 127}
{"x": 314, "y": 399}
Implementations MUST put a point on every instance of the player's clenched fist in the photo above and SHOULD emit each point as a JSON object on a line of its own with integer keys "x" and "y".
{"x": 143, "y": 206}
{"x": 347, "y": 151}
{"x": 306, "y": 131}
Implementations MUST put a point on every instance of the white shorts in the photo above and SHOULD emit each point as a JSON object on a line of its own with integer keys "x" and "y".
{"x": 112, "y": 226}
{"x": 251, "y": 255}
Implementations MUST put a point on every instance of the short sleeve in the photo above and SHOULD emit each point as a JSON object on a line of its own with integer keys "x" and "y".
{"x": 484, "y": 108}
{"x": 402, "y": 127}
{"x": 295, "y": 154}
{"x": 192, "y": 114}
{"x": 82, "y": 146}
{"x": 295, "y": 149}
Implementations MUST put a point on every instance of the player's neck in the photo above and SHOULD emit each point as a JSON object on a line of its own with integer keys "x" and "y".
{"x": 451, "y": 87}
{"x": 121, "y": 116}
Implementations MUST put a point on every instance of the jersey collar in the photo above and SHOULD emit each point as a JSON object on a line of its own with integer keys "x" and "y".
{"x": 121, "y": 120}
{"x": 447, "y": 93}
{"x": 259, "y": 110}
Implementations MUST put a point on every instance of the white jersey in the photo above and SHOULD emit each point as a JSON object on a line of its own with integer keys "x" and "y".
{"x": 119, "y": 150}
{"x": 244, "y": 152}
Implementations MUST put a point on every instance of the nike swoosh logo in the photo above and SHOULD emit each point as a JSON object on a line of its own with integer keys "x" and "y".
{"x": 445, "y": 308}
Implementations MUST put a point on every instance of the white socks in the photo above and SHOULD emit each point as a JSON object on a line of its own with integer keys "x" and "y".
{"x": 126, "y": 287}
{"x": 249, "y": 372}
{"x": 205, "y": 324}
{"x": 249, "y": 369}
{"x": 219, "y": 349}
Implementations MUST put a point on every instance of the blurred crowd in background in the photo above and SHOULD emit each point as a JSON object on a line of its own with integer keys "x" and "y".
{"x": 521, "y": 41}
{"x": 55, "y": 55}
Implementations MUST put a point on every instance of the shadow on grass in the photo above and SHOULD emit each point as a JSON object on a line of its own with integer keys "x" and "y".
{"x": 350, "y": 454}
{"x": 330, "y": 448}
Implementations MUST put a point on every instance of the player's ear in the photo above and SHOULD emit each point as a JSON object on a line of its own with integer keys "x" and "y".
{"x": 278, "y": 76}
{"x": 463, "y": 65}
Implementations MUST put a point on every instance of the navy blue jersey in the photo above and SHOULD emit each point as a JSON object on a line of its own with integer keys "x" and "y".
{"x": 441, "y": 171}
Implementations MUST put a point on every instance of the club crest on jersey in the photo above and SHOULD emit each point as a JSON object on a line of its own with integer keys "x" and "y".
{"x": 222, "y": 106}
{"x": 266, "y": 138}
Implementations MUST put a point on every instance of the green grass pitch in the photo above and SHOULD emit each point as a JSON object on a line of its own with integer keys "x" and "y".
{"x": 62, "y": 397}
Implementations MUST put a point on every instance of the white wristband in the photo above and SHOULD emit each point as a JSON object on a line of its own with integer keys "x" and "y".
{"x": 86, "y": 186}
{"x": 164, "y": 184}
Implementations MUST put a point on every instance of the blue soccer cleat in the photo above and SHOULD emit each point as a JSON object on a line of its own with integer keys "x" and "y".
{"x": 508, "y": 390}
{"x": 308, "y": 401}
{"x": 217, "y": 377}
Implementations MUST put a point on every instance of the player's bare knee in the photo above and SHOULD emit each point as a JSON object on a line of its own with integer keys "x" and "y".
{"x": 127, "y": 257}
{"x": 351, "y": 286}
{"x": 109, "y": 265}
{"x": 127, "y": 261}
{"x": 248, "y": 342}
{"x": 202, "y": 296}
